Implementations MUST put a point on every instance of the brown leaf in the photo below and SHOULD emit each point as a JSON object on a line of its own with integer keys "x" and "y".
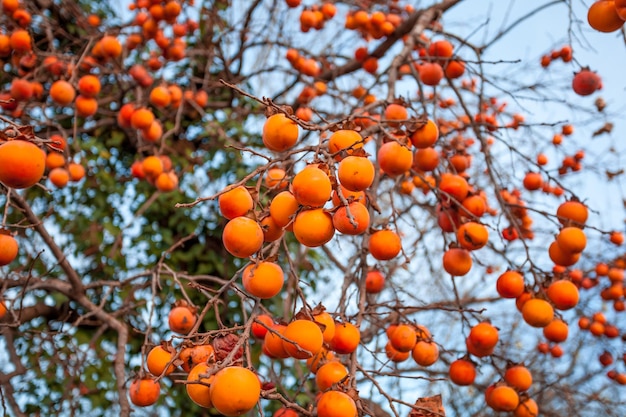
{"x": 607, "y": 128}
{"x": 428, "y": 407}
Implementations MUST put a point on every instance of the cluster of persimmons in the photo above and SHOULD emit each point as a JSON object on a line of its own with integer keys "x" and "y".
{"x": 331, "y": 194}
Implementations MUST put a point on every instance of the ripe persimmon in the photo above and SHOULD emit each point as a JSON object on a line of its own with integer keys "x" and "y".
{"x": 263, "y": 279}
{"x": 483, "y": 336}
{"x": 160, "y": 96}
{"x": 59, "y": 177}
{"x": 454, "y": 186}
{"x": 356, "y": 173}
{"x": 313, "y": 227}
{"x": 462, "y": 372}
{"x": 457, "y": 261}
{"x": 199, "y": 385}
{"x": 563, "y": 294}
{"x": 327, "y": 325}
{"x": 394, "y": 354}
{"x": 572, "y": 213}
{"x": 425, "y": 353}
{"x": 144, "y": 392}
{"x": 336, "y": 404}
{"x": 258, "y": 329}
{"x": 181, "y": 319}
{"x": 158, "y": 359}
{"x": 346, "y": 339}
{"x": 275, "y": 178}
{"x": 304, "y": 339}
{"x": 394, "y": 158}
{"x": 8, "y": 248}
{"x": 85, "y": 106}
{"x": 280, "y": 133}
{"x": 235, "y": 202}
{"x": 431, "y": 73}
{"x": 62, "y": 92}
{"x": 395, "y": 112}
{"x": 330, "y": 373}
{"x": 273, "y": 341}
{"x": 527, "y": 408}
{"x": 235, "y": 390}
{"x": 242, "y": 237}
{"x": 571, "y": 240}
{"x": 141, "y": 118}
{"x": 311, "y": 186}
{"x": 385, "y": 244}
{"x": 352, "y": 219}
{"x": 510, "y": 284}
{"x": 503, "y": 398}
{"x": 561, "y": 258}
{"x": 22, "y": 164}
{"x": 271, "y": 231}
{"x": 89, "y": 85}
{"x": 194, "y": 355}
{"x": 518, "y": 377}
{"x": 425, "y": 136}
{"x": 374, "y": 282}
{"x": 537, "y": 312}
{"x": 472, "y": 235}
{"x": 344, "y": 142}
{"x": 602, "y": 16}
{"x": 283, "y": 207}
{"x": 166, "y": 182}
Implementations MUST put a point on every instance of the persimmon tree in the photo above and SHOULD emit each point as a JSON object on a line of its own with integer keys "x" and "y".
{"x": 311, "y": 208}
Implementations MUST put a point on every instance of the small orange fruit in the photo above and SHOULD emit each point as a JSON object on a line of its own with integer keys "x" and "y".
{"x": 330, "y": 373}
{"x": 22, "y": 164}
{"x": 462, "y": 372}
{"x": 235, "y": 390}
{"x": 181, "y": 319}
{"x": 425, "y": 353}
{"x": 242, "y": 237}
{"x": 374, "y": 282}
{"x": 62, "y": 92}
{"x": 344, "y": 142}
{"x": 403, "y": 338}
{"x": 313, "y": 227}
{"x": 59, "y": 177}
{"x": 503, "y": 398}
{"x": 537, "y": 312}
{"x": 472, "y": 235}
{"x": 157, "y": 361}
{"x": 280, "y": 133}
{"x": 235, "y": 202}
{"x": 311, "y": 187}
{"x": 518, "y": 377}
{"x": 144, "y": 392}
{"x": 352, "y": 219}
{"x": 564, "y": 294}
{"x": 457, "y": 261}
{"x": 263, "y": 280}
{"x": 426, "y": 136}
{"x": 346, "y": 338}
{"x": 510, "y": 284}
{"x": 8, "y": 249}
{"x": 336, "y": 404}
{"x": 198, "y": 386}
{"x": 394, "y": 158}
{"x": 356, "y": 173}
{"x": 385, "y": 244}
{"x": 304, "y": 339}
{"x": 283, "y": 208}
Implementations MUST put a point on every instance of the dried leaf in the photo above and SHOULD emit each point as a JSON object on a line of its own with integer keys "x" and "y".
{"x": 607, "y": 128}
{"x": 428, "y": 407}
